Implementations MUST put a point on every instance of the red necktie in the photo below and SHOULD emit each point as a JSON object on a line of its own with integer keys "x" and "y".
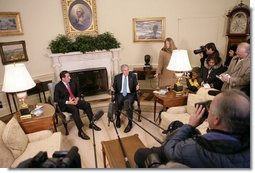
{"x": 70, "y": 91}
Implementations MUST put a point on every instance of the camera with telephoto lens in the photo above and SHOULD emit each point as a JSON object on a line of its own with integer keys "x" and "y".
{"x": 200, "y": 50}
{"x": 206, "y": 105}
{"x": 60, "y": 159}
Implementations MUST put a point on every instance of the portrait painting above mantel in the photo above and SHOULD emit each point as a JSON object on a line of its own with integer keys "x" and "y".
{"x": 80, "y": 17}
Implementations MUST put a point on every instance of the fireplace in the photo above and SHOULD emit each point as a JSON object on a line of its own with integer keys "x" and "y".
{"x": 91, "y": 81}
{"x": 77, "y": 61}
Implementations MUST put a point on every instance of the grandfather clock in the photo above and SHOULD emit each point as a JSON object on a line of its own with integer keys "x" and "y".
{"x": 238, "y": 25}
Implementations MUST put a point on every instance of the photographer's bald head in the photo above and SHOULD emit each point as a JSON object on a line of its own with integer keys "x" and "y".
{"x": 230, "y": 112}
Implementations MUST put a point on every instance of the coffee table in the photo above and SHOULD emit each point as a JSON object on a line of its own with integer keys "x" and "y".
{"x": 168, "y": 100}
{"x": 112, "y": 151}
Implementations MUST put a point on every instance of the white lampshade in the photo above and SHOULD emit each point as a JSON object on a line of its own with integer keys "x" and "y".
{"x": 16, "y": 78}
{"x": 179, "y": 61}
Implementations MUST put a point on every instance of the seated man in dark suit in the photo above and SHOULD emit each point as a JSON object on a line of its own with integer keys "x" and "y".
{"x": 67, "y": 95}
{"x": 125, "y": 86}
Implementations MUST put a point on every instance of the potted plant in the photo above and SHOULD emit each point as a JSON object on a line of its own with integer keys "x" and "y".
{"x": 83, "y": 43}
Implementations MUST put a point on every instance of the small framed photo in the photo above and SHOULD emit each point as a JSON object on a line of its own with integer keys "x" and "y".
{"x": 80, "y": 17}
{"x": 149, "y": 29}
{"x": 10, "y": 23}
{"x": 11, "y": 52}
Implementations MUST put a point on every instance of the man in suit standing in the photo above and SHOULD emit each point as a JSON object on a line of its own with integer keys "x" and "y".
{"x": 67, "y": 95}
{"x": 125, "y": 86}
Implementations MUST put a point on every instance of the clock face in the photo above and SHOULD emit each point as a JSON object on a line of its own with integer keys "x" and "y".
{"x": 238, "y": 23}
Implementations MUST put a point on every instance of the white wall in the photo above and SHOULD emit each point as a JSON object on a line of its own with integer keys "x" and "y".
{"x": 190, "y": 23}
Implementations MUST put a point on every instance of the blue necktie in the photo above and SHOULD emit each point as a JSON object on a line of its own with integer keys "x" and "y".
{"x": 125, "y": 87}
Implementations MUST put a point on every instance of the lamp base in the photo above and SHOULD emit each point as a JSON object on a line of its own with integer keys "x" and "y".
{"x": 178, "y": 87}
{"x": 24, "y": 111}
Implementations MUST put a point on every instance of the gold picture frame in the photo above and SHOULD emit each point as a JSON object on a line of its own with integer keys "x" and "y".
{"x": 10, "y": 23}
{"x": 149, "y": 29}
{"x": 80, "y": 17}
{"x": 14, "y": 51}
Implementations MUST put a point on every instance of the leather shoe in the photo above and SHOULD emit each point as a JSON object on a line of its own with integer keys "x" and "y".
{"x": 95, "y": 127}
{"x": 128, "y": 128}
{"x": 82, "y": 135}
{"x": 118, "y": 123}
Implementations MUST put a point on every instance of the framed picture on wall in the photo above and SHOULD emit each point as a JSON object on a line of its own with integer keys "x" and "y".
{"x": 11, "y": 52}
{"x": 80, "y": 17}
{"x": 10, "y": 23}
{"x": 149, "y": 29}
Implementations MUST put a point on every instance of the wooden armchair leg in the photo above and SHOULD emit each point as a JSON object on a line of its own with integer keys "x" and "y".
{"x": 139, "y": 111}
{"x": 56, "y": 119}
{"x": 55, "y": 124}
{"x": 65, "y": 125}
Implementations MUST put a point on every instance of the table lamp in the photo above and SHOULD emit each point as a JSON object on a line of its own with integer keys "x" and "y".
{"x": 179, "y": 63}
{"x": 18, "y": 80}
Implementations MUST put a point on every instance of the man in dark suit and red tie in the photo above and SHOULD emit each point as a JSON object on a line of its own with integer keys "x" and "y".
{"x": 125, "y": 86}
{"x": 67, "y": 95}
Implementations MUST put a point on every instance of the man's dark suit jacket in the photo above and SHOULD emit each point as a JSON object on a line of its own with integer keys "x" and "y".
{"x": 61, "y": 94}
{"x": 132, "y": 81}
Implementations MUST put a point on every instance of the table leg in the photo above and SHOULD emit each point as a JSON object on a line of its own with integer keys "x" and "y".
{"x": 14, "y": 101}
{"x": 45, "y": 100}
{"x": 104, "y": 159}
{"x": 155, "y": 103}
{"x": 9, "y": 103}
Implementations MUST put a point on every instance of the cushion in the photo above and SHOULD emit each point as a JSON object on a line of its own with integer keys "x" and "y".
{"x": 7, "y": 157}
{"x": 177, "y": 110}
{"x": 192, "y": 99}
{"x": 49, "y": 144}
{"x": 15, "y": 138}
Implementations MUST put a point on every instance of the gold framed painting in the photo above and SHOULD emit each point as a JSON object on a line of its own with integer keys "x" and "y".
{"x": 14, "y": 51}
{"x": 10, "y": 23}
{"x": 80, "y": 17}
{"x": 149, "y": 29}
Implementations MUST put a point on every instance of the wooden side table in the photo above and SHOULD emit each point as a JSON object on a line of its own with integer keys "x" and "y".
{"x": 37, "y": 123}
{"x": 112, "y": 151}
{"x": 168, "y": 100}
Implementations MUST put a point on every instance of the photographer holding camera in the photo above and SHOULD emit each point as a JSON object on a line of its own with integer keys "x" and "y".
{"x": 204, "y": 51}
{"x": 226, "y": 143}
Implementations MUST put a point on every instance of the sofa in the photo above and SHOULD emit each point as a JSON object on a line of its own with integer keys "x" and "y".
{"x": 182, "y": 113}
{"x": 16, "y": 146}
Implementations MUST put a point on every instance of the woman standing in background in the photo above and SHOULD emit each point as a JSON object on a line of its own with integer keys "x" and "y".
{"x": 231, "y": 54}
{"x": 166, "y": 77}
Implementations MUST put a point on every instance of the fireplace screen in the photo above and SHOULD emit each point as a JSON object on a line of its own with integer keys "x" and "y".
{"x": 91, "y": 81}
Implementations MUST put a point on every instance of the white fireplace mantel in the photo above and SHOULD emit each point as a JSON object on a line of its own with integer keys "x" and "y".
{"x": 78, "y": 61}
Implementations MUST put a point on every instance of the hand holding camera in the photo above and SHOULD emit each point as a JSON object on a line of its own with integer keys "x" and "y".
{"x": 200, "y": 114}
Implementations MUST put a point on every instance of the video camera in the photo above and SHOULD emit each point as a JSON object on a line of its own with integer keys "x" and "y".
{"x": 61, "y": 159}
{"x": 200, "y": 50}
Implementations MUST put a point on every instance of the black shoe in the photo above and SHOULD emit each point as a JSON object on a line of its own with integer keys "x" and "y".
{"x": 128, "y": 128}
{"x": 95, "y": 127}
{"x": 82, "y": 135}
{"x": 118, "y": 123}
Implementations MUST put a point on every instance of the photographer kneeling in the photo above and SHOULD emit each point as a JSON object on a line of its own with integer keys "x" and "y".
{"x": 225, "y": 145}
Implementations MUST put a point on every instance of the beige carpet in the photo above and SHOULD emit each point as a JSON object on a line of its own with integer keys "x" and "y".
{"x": 86, "y": 148}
